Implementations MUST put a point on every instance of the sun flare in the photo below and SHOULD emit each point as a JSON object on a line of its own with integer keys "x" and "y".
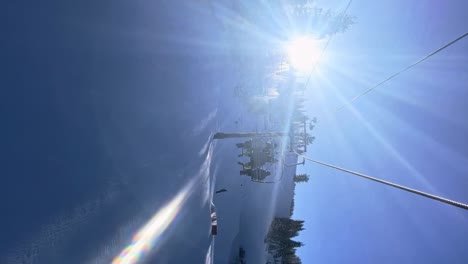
{"x": 303, "y": 53}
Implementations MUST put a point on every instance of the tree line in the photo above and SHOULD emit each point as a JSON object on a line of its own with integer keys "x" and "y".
{"x": 280, "y": 241}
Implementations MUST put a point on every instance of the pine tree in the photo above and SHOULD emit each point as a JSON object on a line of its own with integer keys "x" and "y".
{"x": 301, "y": 178}
{"x": 291, "y": 208}
{"x": 279, "y": 237}
{"x": 307, "y": 14}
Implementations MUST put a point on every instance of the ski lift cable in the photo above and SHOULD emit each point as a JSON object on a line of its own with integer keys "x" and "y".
{"x": 326, "y": 45}
{"x": 401, "y": 187}
{"x": 401, "y": 71}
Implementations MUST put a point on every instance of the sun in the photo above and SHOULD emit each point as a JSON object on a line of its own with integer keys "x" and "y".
{"x": 303, "y": 54}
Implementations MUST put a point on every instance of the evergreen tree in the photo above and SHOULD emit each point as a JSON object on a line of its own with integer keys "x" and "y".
{"x": 279, "y": 237}
{"x": 301, "y": 178}
{"x": 311, "y": 17}
{"x": 291, "y": 208}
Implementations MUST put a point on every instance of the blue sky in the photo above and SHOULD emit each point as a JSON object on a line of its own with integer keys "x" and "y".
{"x": 412, "y": 131}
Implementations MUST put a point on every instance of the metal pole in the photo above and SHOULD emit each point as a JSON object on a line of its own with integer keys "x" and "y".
{"x": 221, "y": 135}
{"x": 299, "y": 163}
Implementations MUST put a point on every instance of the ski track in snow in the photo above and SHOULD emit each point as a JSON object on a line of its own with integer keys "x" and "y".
{"x": 205, "y": 122}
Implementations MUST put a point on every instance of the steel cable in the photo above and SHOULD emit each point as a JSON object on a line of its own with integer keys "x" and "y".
{"x": 401, "y": 187}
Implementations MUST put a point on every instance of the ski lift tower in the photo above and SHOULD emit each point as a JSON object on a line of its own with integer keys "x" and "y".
{"x": 291, "y": 135}
{"x": 254, "y": 135}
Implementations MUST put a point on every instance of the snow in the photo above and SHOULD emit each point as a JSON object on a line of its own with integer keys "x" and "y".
{"x": 246, "y": 210}
{"x": 154, "y": 172}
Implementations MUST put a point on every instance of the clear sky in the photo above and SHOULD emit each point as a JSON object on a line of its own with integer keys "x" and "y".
{"x": 412, "y": 131}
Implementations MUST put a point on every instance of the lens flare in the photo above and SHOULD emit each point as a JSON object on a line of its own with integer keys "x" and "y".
{"x": 143, "y": 241}
{"x": 303, "y": 54}
{"x": 147, "y": 237}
